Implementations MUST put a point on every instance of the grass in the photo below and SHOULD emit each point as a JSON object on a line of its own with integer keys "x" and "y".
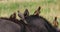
{"x": 49, "y": 8}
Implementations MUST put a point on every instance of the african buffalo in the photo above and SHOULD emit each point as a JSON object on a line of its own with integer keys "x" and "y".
{"x": 28, "y": 23}
{"x": 10, "y": 26}
{"x": 19, "y": 26}
{"x": 37, "y": 21}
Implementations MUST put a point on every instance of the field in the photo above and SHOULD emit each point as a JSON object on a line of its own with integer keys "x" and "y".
{"x": 49, "y": 8}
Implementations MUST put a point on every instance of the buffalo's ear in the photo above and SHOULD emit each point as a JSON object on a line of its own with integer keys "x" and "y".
{"x": 26, "y": 13}
{"x": 37, "y": 12}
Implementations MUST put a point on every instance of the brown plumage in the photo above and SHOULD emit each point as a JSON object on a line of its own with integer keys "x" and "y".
{"x": 13, "y": 16}
{"x": 22, "y": 17}
{"x": 55, "y": 22}
{"x": 37, "y": 11}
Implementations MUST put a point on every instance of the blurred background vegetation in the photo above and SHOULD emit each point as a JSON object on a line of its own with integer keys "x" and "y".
{"x": 49, "y": 8}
